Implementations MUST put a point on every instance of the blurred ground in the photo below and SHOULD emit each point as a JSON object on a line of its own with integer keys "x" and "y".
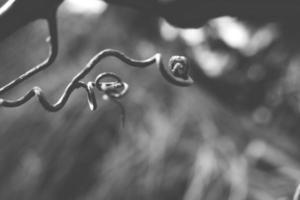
{"x": 233, "y": 135}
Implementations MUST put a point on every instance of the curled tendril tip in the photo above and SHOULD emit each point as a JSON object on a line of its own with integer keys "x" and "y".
{"x": 177, "y": 73}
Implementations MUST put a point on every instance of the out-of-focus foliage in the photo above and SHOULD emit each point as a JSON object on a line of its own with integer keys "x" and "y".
{"x": 234, "y": 135}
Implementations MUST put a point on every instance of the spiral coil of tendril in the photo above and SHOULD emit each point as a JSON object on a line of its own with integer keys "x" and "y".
{"x": 177, "y": 73}
{"x": 112, "y": 89}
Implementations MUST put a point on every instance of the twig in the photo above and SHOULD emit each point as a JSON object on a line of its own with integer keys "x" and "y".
{"x": 176, "y": 74}
{"x": 53, "y": 44}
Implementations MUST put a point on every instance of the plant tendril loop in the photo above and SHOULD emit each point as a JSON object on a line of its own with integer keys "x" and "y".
{"x": 177, "y": 73}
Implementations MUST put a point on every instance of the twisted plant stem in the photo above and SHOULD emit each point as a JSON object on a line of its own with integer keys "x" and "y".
{"x": 176, "y": 74}
{"x": 110, "y": 89}
{"x": 53, "y": 44}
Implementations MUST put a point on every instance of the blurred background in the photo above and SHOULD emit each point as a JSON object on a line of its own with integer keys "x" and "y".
{"x": 233, "y": 135}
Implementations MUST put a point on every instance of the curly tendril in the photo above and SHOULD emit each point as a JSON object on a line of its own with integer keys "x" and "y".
{"x": 114, "y": 89}
{"x": 176, "y": 73}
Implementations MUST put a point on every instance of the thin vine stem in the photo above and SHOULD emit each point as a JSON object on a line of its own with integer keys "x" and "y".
{"x": 176, "y": 74}
{"x": 53, "y": 51}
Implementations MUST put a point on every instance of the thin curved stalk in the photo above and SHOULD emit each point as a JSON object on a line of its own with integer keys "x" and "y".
{"x": 176, "y": 74}
{"x": 53, "y": 51}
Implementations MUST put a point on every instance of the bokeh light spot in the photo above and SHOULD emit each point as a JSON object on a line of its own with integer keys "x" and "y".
{"x": 233, "y": 32}
{"x": 167, "y": 31}
{"x": 86, "y": 6}
{"x": 193, "y": 36}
